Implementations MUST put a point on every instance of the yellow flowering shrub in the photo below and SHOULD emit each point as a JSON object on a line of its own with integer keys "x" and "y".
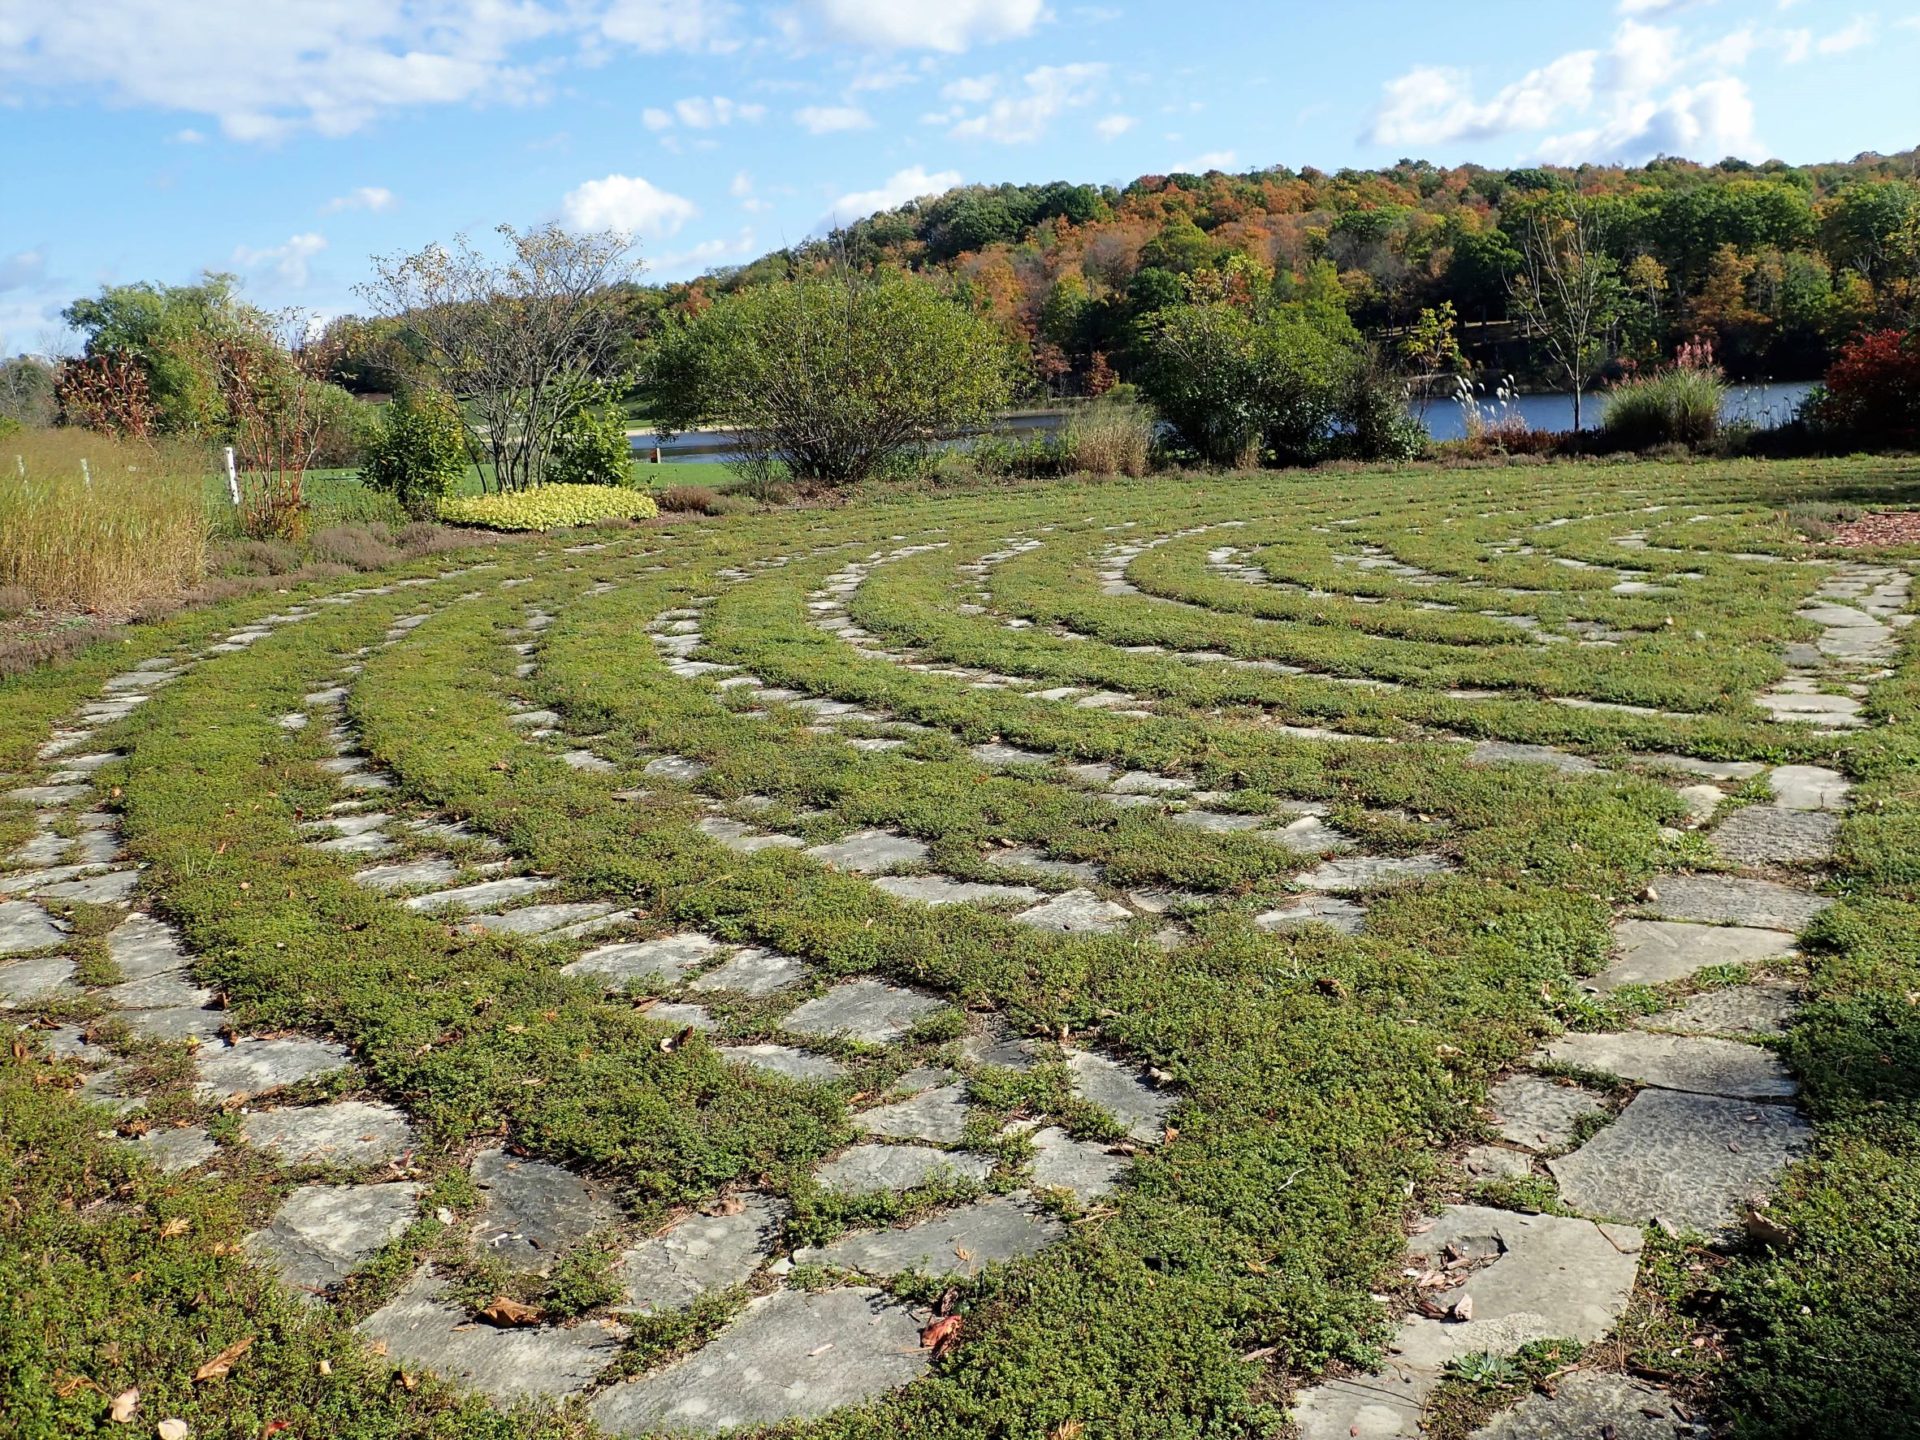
{"x": 548, "y": 507}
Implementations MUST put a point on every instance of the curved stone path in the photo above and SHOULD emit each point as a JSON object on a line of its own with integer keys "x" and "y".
{"x": 1685, "y": 1122}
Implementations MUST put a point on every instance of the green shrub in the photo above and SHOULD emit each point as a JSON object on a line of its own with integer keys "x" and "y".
{"x": 833, "y": 379}
{"x": 1677, "y": 406}
{"x": 591, "y": 449}
{"x": 1022, "y": 457}
{"x": 548, "y": 507}
{"x": 418, "y": 453}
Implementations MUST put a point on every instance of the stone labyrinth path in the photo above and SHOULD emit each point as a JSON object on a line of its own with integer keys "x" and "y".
{"x": 1237, "y": 951}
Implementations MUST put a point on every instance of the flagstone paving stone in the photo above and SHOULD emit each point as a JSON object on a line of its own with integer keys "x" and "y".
{"x": 1653, "y": 952}
{"x": 1549, "y": 1278}
{"x": 938, "y": 1115}
{"x": 783, "y": 1060}
{"x": 869, "y": 852}
{"x": 867, "y": 1010}
{"x": 698, "y": 1254}
{"x": 753, "y": 972}
{"x": 669, "y": 959}
{"x": 1759, "y": 835}
{"x": 531, "y": 1211}
{"x": 1141, "y": 1110}
{"x": 22, "y": 982}
{"x": 1365, "y": 872}
{"x": 1590, "y": 1405}
{"x": 871, "y": 1169}
{"x": 1684, "y": 1160}
{"x": 349, "y": 1132}
{"x": 174, "y": 1148}
{"x": 421, "y": 1327}
{"x": 1086, "y": 1168}
{"x": 962, "y": 1241}
{"x": 481, "y": 896}
{"x": 1541, "y": 1113}
{"x": 792, "y": 1355}
{"x": 322, "y": 1233}
{"x": 255, "y": 1066}
{"x": 1729, "y": 900}
{"x": 1076, "y": 912}
{"x": 24, "y": 927}
{"x": 1703, "y": 1064}
{"x": 1761, "y": 1009}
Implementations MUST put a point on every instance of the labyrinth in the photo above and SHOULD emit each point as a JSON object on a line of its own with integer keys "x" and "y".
{"x": 1203, "y": 957}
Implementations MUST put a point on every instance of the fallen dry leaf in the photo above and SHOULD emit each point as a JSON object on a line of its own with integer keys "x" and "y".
{"x": 673, "y": 1042}
{"x": 1067, "y": 1430}
{"x": 220, "y": 1364}
{"x": 179, "y": 1225}
{"x": 172, "y": 1429}
{"x": 120, "y": 1409}
{"x": 942, "y": 1335}
{"x": 505, "y": 1310}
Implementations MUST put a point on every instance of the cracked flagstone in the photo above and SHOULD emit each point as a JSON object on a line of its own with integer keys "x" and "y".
{"x": 791, "y": 1355}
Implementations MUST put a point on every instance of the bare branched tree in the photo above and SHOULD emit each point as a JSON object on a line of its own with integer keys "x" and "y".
{"x": 523, "y": 341}
{"x": 1567, "y": 295}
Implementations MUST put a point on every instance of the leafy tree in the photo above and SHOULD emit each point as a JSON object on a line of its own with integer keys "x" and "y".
{"x": 592, "y": 448}
{"x": 418, "y": 452}
{"x": 27, "y": 391}
{"x": 1235, "y": 382}
{"x": 1567, "y": 295}
{"x": 525, "y": 341}
{"x": 171, "y": 332}
{"x": 831, "y": 378}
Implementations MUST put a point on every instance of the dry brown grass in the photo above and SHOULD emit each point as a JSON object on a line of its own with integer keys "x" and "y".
{"x": 129, "y": 528}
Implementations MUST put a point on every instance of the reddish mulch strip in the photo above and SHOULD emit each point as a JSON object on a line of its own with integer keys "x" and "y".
{"x": 1901, "y": 527}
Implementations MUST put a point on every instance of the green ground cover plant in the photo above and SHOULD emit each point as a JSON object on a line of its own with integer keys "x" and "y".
{"x": 1323, "y": 1083}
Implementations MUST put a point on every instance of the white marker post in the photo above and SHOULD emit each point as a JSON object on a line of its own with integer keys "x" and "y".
{"x": 233, "y": 480}
{"x": 86, "y": 474}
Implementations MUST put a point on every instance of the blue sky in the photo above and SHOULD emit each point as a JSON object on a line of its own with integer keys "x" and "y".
{"x": 287, "y": 140}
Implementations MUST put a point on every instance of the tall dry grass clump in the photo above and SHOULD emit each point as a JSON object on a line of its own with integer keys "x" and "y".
{"x": 1111, "y": 437}
{"x": 135, "y": 532}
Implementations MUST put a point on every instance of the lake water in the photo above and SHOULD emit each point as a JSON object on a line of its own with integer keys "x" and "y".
{"x": 1764, "y": 406}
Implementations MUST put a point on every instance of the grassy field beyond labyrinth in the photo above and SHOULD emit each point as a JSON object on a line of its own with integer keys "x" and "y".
{"x": 1367, "y": 954}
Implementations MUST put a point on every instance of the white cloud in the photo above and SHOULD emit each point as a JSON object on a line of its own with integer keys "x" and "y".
{"x": 741, "y": 186}
{"x": 1431, "y": 105}
{"x": 187, "y": 137}
{"x": 1633, "y": 8}
{"x": 894, "y": 191}
{"x": 368, "y": 197}
{"x": 1708, "y": 121}
{"x": 706, "y": 113}
{"x": 626, "y": 203}
{"x": 971, "y": 91}
{"x": 290, "y": 264}
{"x": 1650, "y": 92}
{"x": 1024, "y": 116}
{"x": 1799, "y": 45}
{"x": 832, "y": 119}
{"x": 1112, "y": 127}
{"x": 656, "y": 26}
{"x": 1858, "y": 32}
{"x": 1211, "y": 160}
{"x": 265, "y": 68}
{"x": 947, "y": 25}
{"x": 683, "y": 264}
{"x": 702, "y": 112}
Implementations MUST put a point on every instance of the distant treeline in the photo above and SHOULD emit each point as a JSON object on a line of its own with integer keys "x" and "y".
{"x": 1776, "y": 265}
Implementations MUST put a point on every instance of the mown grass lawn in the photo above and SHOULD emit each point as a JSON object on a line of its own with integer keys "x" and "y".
{"x": 1323, "y": 1083}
